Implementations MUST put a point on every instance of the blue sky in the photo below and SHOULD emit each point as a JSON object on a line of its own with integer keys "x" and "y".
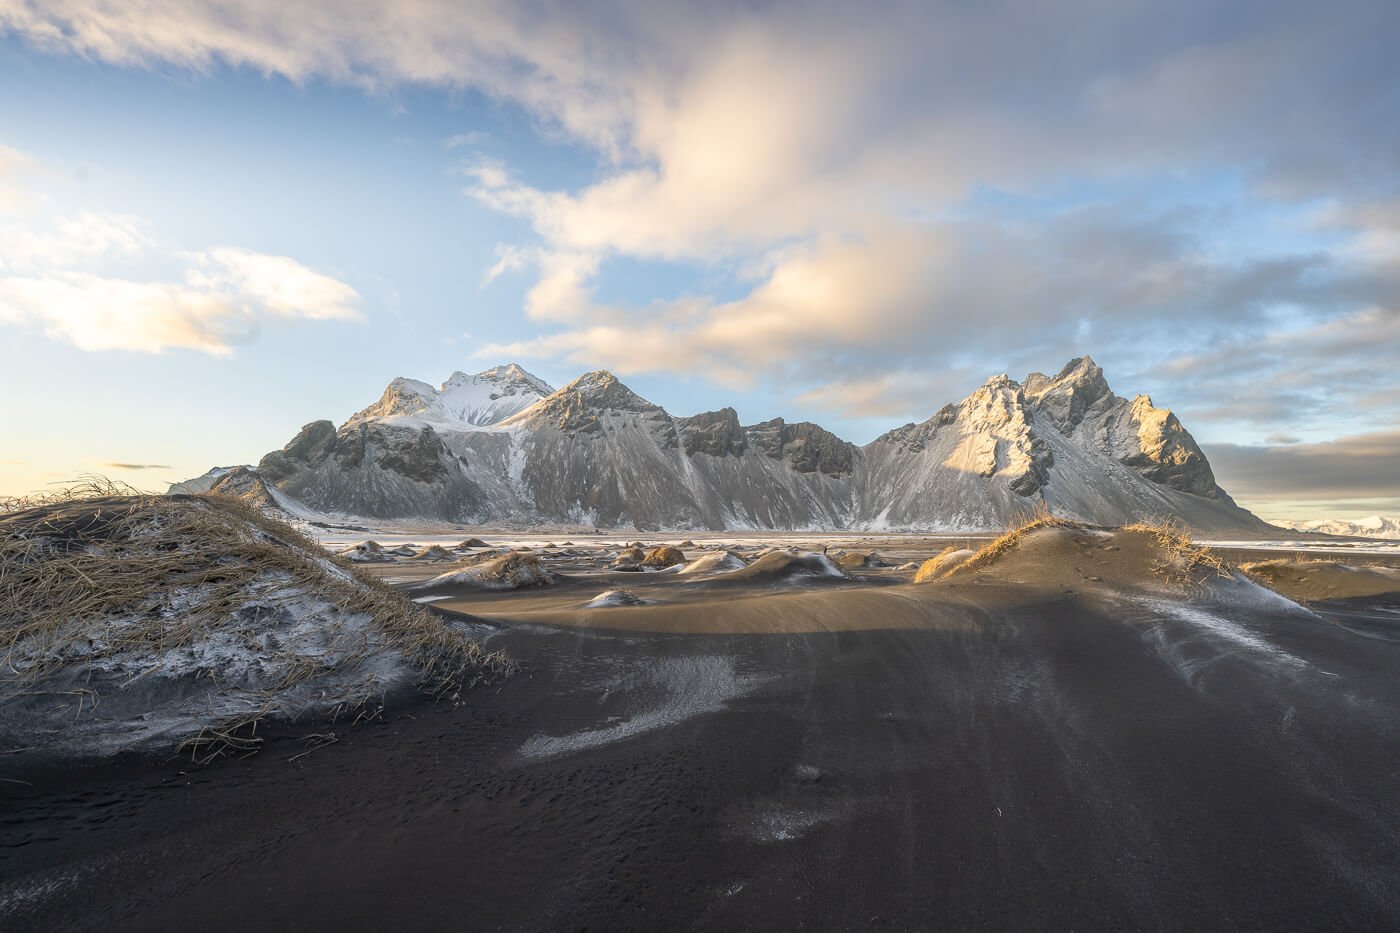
{"x": 216, "y": 226}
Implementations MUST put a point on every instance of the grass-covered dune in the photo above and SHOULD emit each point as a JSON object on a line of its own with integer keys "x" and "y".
{"x": 132, "y": 621}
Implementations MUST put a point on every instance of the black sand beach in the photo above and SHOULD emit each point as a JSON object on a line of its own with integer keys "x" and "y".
{"x": 1031, "y": 763}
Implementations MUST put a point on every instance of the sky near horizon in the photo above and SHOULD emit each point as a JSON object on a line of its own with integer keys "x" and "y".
{"x": 220, "y": 221}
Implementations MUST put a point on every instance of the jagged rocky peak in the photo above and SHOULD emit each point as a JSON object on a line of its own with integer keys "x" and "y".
{"x": 717, "y": 433}
{"x": 915, "y": 437}
{"x": 1138, "y": 435}
{"x": 1166, "y": 453}
{"x": 510, "y": 379}
{"x": 246, "y": 485}
{"x": 1079, "y": 388}
{"x": 311, "y": 446}
{"x": 998, "y": 440}
{"x": 581, "y": 405}
{"x": 808, "y": 447}
{"x": 402, "y": 397}
{"x": 475, "y": 399}
{"x": 601, "y": 389}
{"x": 597, "y": 452}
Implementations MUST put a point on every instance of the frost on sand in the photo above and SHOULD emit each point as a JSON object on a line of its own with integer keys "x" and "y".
{"x": 138, "y": 622}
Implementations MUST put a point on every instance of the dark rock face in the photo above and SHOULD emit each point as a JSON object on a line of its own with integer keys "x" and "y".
{"x": 1070, "y": 396}
{"x": 915, "y": 437}
{"x": 581, "y": 406}
{"x": 1138, "y": 435}
{"x": 422, "y": 457}
{"x": 312, "y": 445}
{"x": 414, "y": 454}
{"x": 808, "y": 447}
{"x": 1168, "y": 454}
{"x": 716, "y": 433}
{"x": 378, "y": 471}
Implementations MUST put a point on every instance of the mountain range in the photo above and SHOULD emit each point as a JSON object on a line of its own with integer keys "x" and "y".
{"x": 1375, "y": 526}
{"x": 504, "y": 448}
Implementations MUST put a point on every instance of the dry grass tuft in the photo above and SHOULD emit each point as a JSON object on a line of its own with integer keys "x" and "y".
{"x": 1040, "y": 518}
{"x": 934, "y": 567}
{"x": 125, "y": 571}
{"x": 1182, "y": 560}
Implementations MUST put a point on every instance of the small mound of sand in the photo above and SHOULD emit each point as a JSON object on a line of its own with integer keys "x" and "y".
{"x": 611, "y": 598}
{"x": 367, "y": 552}
{"x": 854, "y": 561}
{"x": 509, "y": 572}
{"x": 436, "y": 552}
{"x": 470, "y": 544}
{"x": 663, "y": 556}
{"x": 1058, "y": 554}
{"x": 628, "y": 559}
{"x": 787, "y": 565}
{"x": 714, "y": 563}
{"x": 403, "y": 550}
{"x": 1314, "y": 580}
{"x": 941, "y": 563}
{"x": 473, "y": 560}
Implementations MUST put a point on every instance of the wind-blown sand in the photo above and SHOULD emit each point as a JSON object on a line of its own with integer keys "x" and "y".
{"x": 1313, "y": 580}
{"x": 1085, "y": 733}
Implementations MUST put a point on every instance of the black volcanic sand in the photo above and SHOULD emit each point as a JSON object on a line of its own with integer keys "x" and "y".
{"x": 1037, "y": 764}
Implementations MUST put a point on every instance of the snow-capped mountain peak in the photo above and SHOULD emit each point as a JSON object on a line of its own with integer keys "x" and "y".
{"x": 1374, "y": 526}
{"x": 602, "y": 389}
{"x": 464, "y": 399}
{"x": 511, "y": 379}
{"x": 499, "y": 446}
{"x": 579, "y": 404}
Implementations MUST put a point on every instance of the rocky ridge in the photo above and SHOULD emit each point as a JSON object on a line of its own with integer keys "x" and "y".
{"x": 499, "y": 448}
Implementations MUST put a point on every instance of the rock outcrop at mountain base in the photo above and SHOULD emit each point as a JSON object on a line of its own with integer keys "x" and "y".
{"x": 377, "y": 471}
{"x": 596, "y": 453}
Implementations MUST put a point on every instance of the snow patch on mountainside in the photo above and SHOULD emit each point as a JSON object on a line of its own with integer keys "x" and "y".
{"x": 465, "y": 400}
{"x": 1375, "y": 526}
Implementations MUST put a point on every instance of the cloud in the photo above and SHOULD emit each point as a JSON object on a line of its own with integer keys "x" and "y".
{"x": 1353, "y": 467}
{"x": 13, "y": 163}
{"x": 473, "y": 138}
{"x": 137, "y": 466}
{"x": 508, "y": 259}
{"x": 73, "y": 240}
{"x": 916, "y": 189}
{"x": 220, "y": 301}
{"x": 908, "y": 394}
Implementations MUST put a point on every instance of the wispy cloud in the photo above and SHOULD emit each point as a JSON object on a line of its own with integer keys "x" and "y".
{"x": 1354, "y": 467}
{"x": 50, "y": 281}
{"x": 835, "y": 157}
{"x": 461, "y": 140}
{"x": 13, "y": 163}
{"x": 137, "y": 466}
